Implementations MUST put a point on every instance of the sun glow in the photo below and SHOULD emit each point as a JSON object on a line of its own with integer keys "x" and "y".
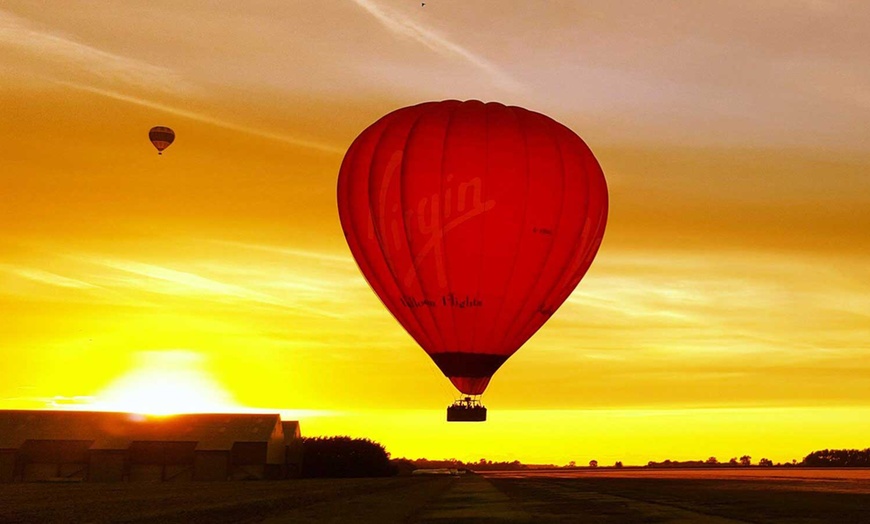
{"x": 166, "y": 383}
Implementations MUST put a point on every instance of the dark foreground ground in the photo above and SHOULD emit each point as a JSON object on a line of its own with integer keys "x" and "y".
{"x": 673, "y": 497}
{"x": 316, "y": 500}
{"x": 694, "y": 496}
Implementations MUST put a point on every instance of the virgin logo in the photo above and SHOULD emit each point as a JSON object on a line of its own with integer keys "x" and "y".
{"x": 431, "y": 218}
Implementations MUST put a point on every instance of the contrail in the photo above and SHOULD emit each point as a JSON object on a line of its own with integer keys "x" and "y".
{"x": 404, "y": 26}
{"x": 310, "y": 144}
{"x": 15, "y": 32}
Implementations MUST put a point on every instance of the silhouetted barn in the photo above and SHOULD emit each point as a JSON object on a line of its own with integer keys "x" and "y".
{"x": 111, "y": 447}
{"x": 292, "y": 448}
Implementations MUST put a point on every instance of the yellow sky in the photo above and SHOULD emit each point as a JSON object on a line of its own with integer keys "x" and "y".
{"x": 726, "y": 313}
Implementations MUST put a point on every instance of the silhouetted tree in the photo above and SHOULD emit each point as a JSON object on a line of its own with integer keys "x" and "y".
{"x": 618, "y": 464}
{"x": 745, "y": 460}
{"x": 712, "y": 461}
{"x": 733, "y": 462}
{"x": 593, "y": 463}
{"x": 572, "y": 464}
{"x": 765, "y": 462}
{"x": 345, "y": 457}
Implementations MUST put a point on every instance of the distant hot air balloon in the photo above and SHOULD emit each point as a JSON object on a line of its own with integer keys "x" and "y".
{"x": 161, "y": 137}
{"x": 473, "y": 223}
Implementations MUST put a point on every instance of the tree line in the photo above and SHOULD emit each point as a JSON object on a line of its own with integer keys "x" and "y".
{"x": 832, "y": 458}
{"x": 355, "y": 457}
{"x": 838, "y": 458}
{"x": 713, "y": 462}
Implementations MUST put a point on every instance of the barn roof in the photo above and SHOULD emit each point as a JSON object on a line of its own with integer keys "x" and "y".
{"x": 291, "y": 430}
{"x": 118, "y": 430}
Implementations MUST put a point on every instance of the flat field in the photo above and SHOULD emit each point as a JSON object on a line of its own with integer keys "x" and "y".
{"x": 607, "y": 496}
{"x": 759, "y": 495}
{"x": 303, "y": 501}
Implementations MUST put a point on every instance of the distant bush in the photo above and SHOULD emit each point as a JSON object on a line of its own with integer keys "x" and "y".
{"x": 452, "y": 463}
{"x": 679, "y": 464}
{"x": 343, "y": 457}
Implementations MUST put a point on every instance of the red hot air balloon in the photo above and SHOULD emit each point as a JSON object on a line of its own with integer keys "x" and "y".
{"x": 161, "y": 137}
{"x": 473, "y": 223}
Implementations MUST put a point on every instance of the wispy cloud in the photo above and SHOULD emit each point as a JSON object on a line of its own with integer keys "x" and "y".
{"x": 187, "y": 284}
{"x": 714, "y": 308}
{"x": 17, "y": 32}
{"x": 294, "y": 281}
{"x": 44, "y": 277}
{"x": 192, "y": 115}
{"x": 315, "y": 255}
{"x": 185, "y": 280}
{"x": 58, "y": 402}
{"x": 404, "y": 26}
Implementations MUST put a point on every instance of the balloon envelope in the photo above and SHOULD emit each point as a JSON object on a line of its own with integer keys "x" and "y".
{"x": 473, "y": 223}
{"x": 161, "y": 137}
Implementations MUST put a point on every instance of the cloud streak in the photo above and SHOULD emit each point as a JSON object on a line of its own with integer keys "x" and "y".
{"x": 188, "y": 284}
{"x": 404, "y": 26}
{"x": 44, "y": 277}
{"x": 315, "y": 255}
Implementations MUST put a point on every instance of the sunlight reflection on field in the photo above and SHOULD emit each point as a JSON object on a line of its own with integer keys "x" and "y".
{"x": 851, "y": 480}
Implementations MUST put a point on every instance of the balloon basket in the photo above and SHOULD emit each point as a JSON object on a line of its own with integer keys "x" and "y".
{"x": 466, "y": 409}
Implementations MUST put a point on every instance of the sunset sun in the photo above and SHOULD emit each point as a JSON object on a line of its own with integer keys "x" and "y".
{"x": 166, "y": 383}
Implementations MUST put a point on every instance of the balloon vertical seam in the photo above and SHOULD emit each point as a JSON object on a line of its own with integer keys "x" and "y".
{"x": 366, "y": 254}
{"x": 518, "y": 115}
{"x": 407, "y": 237}
{"x": 390, "y": 125}
{"x": 483, "y": 216}
{"x": 581, "y": 261}
{"x": 525, "y": 311}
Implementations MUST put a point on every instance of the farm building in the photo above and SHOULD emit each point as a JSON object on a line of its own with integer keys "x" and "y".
{"x": 111, "y": 447}
{"x": 292, "y": 448}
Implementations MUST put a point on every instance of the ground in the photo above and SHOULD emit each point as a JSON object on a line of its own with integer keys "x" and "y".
{"x": 790, "y": 496}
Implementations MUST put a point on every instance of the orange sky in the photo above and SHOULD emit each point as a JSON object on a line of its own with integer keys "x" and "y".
{"x": 726, "y": 313}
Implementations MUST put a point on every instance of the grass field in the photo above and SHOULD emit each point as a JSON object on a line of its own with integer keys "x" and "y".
{"x": 605, "y": 496}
